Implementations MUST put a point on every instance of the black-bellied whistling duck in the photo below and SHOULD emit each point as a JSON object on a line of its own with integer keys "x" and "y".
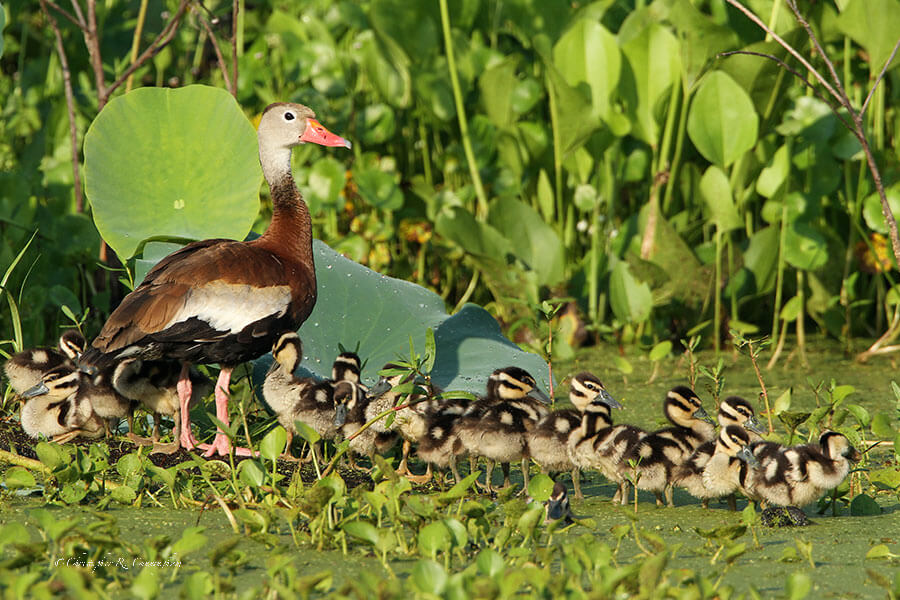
{"x": 154, "y": 384}
{"x": 24, "y": 369}
{"x": 55, "y": 409}
{"x": 548, "y": 442}
{"x": 224, "y": 301}
{"x": 656, "y": 456}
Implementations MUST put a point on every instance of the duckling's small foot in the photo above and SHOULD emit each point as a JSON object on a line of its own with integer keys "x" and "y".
{"x": 418, "y": 479}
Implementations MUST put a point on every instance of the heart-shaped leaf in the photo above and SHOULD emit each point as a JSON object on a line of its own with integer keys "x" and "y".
{"x": 589, "y": 54}
{"x": 160, "y": 161}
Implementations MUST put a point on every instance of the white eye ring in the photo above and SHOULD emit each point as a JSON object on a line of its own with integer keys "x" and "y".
{"x": 288, "y": 116}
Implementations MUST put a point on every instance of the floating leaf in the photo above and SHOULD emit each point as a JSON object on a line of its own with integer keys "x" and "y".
{"x": 18, "y": 477}
{"x": 540, "y": 487}
{"x": 722, "y": 122}
{"x": 177, "y": 156}
{"x": 879, "y": 551}
{"x": 434, "y": 538}
{"x": 798, "y": 586}
{"x": 864, "y": 505}
{"x": 362, "y": 530}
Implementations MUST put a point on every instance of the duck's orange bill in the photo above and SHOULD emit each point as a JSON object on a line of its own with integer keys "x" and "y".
{"x": 317, "y": 134}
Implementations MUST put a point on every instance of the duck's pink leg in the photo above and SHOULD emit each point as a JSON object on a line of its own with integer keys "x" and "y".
{"x": 221, "y": 444}
{"x": 185, "y": 390}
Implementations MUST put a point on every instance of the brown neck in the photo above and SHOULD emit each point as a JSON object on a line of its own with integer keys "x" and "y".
{"x": 290, "y": 232}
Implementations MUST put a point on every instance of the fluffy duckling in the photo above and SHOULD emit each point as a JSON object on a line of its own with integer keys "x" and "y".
{"x": 355, "y": 409}
{"x": 557, "y": 506}
{"x": 721, "y": 475}
{"x": 304, "y": 399}
{"x": 733, "y": 410}
{"x": 154, "y": 383}
{"x": 548, "y": 442}
{"x": 409, "y": 421}
{"x": 440, "y": 445}
{"x": 497, "y": 427}
{"x": 54, "y": 408}
{"x": 654, "y": 459}
{"x": 799, "y": 475}
{"x": 598, "y": 444}
{"x": 25, "y": 369}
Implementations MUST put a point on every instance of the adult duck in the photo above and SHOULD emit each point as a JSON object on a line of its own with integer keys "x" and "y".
{"x": 223, "y": 301}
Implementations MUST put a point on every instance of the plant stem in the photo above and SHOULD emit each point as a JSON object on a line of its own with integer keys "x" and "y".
{"x": 482, "y": 205}
{"x": 136, "y": 41}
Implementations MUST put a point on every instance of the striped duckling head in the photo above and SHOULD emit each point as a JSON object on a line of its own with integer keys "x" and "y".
{"x": 586, "y": 389}
{"x": 72, "y": 344}
{"x": 735, "y": 410}
{"x": 59, "y": 382}
{"x": 287, "y": 352}
{"x": 346, "y": 367}
{"x": 513, "y": 383}
{"x": 835, "y": 445}
{"x": 682, "y": 406}
{"x": 734, "y": 440}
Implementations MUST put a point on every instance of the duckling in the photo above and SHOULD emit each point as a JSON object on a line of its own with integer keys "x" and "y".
{"x": 306, "y": 400}
{"x": 410, "y": 421}
{"x": 355, "y": 409}
{"x": 24, "y": 369}
{"x": 498, "y": 427}
{"x": 799, "y": 475}
{"x": 734, "y": 410}
{"x": 54, "y": 408}
{"x": 557, "y": 506}
{"x": 549, "y": 440}
{"x": 598, "y": 444}
{"x": 440, "y": 445}
{"x": 654, "y": 459}
{"x": 721, "y": 475}
{"x": 154, "y": 383}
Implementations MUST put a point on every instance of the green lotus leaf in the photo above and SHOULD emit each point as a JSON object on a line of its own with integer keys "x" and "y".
{"x": 171, "y": 163}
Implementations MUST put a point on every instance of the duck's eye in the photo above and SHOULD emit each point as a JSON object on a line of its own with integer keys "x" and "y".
{"x": 288, "y": 116}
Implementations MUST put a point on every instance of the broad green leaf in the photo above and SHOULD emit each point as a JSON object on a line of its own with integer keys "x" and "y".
{"x": 660, "y": 350}
{"x": 362, "y": 530}
{"x": 860, "y": 414}
{"x": 386, "y": 66}
{"x": 889, "y": 478}
{"x": 775, "y": 173}
{"x": 251, "y": 473}
{"x": 798, "y": 586}
{"x": 160, "y": 161}
{"x": 52, "y": 455}
{"x": 630, "y": 299}
{"x": 540, "y": 487}
{"x": 783, "y": 402}
{"x": 791, "y": 309}
{"x": 761, "y": 258}
{"x": 495, "y": 85}
{"x": 471, "y": 235}
{"x": 545, "y": 197}
{"x": 655, "y": 60}
{"x": 587, "y": 53}
{"x": 411, "y": 26}
{"x": 879, "y": 551}
{"x": 881, "y": 425}
{"x": 429, "y": 578}
{"x": 701, "y": 39}
{"x": 804, "y": 247}
{"x": 864, "y": 505}
{"x": 872, "y": 209}
{"x": 577, "y": 121}
{"x": 379, "y": 188}
{"x": 146, "y": 584}
{"x": 469, "y": 343}
{"x": 490, "y": 563}
{"x": 533, "y": 241}
{"x": 376, "y": 124}
{"x": 123, "y": 495}
{"x": 272, "y": 445}
{"x": 191, "y": 540}
{"x": 324, "y": 182}
{"x": 717, "y": 194}
{"x": 873, "y": 24}
{"x": 434, "y": 538}
{"x": 722, "y": 122}
{"x": 18, "y": 477}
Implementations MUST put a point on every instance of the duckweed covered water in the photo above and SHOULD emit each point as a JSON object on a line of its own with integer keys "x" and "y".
{"x": 832, "y": 552}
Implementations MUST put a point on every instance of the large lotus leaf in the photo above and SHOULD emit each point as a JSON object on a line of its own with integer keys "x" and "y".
{"x": 533, "y": 241}
{"x": 655, "y": 61}
{"x": 359, "y": 306}
{"x": 171, "y": 163}
{"x": 873, "y": 24}
{"x": 722, "y": 122}
{"x": 588, "y": 54}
